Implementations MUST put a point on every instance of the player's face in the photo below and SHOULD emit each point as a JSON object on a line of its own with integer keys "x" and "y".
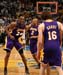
{"x": 21, "y": 19}
{"x": 35, "y": 21}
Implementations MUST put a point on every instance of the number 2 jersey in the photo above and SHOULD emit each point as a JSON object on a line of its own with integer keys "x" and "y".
{"x": 33, "y": 32}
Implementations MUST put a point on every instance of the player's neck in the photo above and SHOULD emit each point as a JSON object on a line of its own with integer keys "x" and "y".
{"x": 49, "y": 20}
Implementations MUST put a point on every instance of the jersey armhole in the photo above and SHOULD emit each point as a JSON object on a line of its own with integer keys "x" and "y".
{"x": 59, "y": 26}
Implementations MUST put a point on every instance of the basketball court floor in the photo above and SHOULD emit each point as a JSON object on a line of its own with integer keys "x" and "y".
{"x": 16, "y": 67}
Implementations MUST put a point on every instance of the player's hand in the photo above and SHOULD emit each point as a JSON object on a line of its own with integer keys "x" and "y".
{"x": 12, "y": 37}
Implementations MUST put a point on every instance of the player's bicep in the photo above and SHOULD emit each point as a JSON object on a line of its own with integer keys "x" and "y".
{"x": 62, "y": 28}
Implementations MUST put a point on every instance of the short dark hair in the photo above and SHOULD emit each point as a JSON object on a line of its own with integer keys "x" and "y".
{"x": 20, "y": 15}
{"x": 46, "y": 15}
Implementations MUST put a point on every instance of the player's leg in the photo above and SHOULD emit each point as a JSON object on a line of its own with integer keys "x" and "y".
{"x": 24, "y": 60}
{"x": 43, "y": 67}
{"x": 6, "y": 62}
{"x": 8, "y": 49}
{"x": 59, "y": 69}
{"x": 20, "y": 50}
{"x": 45, "y": 64}
{"x": 33, "y": 49}
{"x": 25, "y": 63}
{"x": 48, "y": 70}
{"x": 59, "y": 62}
{"x": 35, "y": 57}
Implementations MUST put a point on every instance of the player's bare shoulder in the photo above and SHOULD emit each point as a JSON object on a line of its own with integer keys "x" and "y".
{"x": 60, "y": 25}
{"x": 41, "y": 26}
{"x": 11, "y": 25}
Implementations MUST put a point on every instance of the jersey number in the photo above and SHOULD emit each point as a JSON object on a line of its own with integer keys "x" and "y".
{"x": 52, "y": 35}
{"x": 32, "y": 33}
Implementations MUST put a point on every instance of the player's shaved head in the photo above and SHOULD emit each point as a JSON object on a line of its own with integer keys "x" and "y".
{"x": 35, "y": 21}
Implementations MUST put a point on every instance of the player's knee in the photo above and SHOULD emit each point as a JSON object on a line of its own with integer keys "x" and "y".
{"x": 58, "y": 68}
{"x": 20, "y": 51}
{"x": 7, "y": 55}
{"x": 34, "y": 55}
{"x": 44, "y": 65}
{"x": 7, "y": 51}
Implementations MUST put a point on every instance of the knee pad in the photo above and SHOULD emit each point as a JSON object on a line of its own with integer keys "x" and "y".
{"x": 7, "y": 50}
{"x": 20, "y": 51}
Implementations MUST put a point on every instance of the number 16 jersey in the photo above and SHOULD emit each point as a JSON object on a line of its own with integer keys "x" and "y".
{"x": 52, "y": 52}
{"x": 51, "y": 35}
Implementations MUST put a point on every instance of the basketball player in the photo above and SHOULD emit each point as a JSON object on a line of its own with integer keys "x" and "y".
{"x": 49, "y": 38}
{"x": 33, "y": 35}
{"x": 13, "y": 34}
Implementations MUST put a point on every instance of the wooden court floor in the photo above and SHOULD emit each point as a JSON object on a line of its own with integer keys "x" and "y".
{"x": 16, "y": 67}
